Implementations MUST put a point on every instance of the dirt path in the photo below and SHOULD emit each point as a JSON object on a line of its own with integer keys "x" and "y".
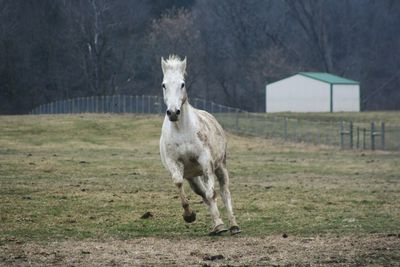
{"x": 224, "y": 251}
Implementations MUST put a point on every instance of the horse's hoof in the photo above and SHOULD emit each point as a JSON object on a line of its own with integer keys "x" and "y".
{"x": 189, "y": 218}
{"x": 218, "y": 230}
{"x": 235, "y": 230}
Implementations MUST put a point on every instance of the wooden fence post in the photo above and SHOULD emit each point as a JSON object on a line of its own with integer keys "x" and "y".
{"x": 364, "y": 137}
{"x": 383, "y": 136}
{"x": 372, "y": 136}
{"x": 351, "y": 134}
{"x": 358, "y": 138}
{"x": 285, "y": 124}
{"x": 341, "y": 134}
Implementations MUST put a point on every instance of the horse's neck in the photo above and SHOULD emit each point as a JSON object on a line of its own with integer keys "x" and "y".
{"x": 187, "y": 118}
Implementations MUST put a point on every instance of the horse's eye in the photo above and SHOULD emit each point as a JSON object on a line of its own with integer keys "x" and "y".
{"x": 182, "y": 85}
{"x": 163, "y": 85}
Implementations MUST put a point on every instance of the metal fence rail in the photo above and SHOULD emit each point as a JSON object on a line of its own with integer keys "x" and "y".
{"x": 345, "y": 134}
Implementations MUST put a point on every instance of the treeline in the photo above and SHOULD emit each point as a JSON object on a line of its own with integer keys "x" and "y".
{"x": 58, "y": 49}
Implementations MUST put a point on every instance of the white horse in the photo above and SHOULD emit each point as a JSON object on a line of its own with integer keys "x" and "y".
{"x": 193, "y": 147}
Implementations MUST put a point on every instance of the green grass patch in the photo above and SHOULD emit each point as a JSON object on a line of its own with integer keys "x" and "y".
{"x": 94, "y": 176}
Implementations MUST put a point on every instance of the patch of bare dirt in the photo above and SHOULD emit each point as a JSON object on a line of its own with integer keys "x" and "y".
{"x": 221, "y": 251}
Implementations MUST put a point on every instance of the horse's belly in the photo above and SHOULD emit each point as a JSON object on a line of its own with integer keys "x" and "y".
{"x": 192, "y": 169}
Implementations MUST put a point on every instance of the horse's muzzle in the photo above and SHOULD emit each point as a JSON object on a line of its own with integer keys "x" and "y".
{"x": 173, "y": 115}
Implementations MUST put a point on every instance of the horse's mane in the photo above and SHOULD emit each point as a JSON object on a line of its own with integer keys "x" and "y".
{"x": 173, "y": 62}
{"x": 172, "y": 58}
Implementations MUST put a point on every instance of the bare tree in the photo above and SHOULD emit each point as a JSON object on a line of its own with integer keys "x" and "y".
{"x": 174, "y": 33}
{"x": 54, "y": 49}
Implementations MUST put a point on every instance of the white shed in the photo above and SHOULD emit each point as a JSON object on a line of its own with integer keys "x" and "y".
{"x": 313, "y": 92}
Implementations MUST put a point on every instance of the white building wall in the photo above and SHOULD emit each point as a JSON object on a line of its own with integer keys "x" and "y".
{"x": 346, "y": 97}
{"x": 298, "y": 94}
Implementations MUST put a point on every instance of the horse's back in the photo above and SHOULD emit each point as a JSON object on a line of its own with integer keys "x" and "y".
{"x": 211, "y": 122}
{"x": 212, "y": 135}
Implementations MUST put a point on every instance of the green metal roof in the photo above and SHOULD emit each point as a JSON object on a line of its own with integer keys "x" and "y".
{"x": 328, "y": 78}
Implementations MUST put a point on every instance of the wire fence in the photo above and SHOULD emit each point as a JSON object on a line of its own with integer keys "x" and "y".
{"x": 346, "y": 134}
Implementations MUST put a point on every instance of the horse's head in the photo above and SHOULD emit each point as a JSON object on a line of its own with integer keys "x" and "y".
{"x": 174, "y": 89}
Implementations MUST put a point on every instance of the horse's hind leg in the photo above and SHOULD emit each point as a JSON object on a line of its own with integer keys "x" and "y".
{"x": 211, "y": 201}
{"x": 200, "y": 187}
{"x": 197, "y": 186}
{"x": 223, "y": 179}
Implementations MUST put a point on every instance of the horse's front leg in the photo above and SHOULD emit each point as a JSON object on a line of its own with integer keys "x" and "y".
{"x": 189, "y": 215}
{"x": 176, "y": 169}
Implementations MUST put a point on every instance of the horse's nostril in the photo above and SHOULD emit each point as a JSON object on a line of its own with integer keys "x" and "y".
{"x": 178, "y": 112}
{"x": 168, "y": 112}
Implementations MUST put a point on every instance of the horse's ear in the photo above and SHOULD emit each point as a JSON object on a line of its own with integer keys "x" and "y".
{"x": 163, "y": 65}
{"x": 183, "y": 66}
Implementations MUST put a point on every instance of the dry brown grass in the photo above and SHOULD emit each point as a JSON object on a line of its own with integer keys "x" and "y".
{"x": 239, "y": 251}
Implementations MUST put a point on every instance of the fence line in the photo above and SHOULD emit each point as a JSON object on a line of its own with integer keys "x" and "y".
{"x": 346, "y": 134}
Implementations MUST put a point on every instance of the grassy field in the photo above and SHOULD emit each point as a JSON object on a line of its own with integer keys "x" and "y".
{"x": 71, "y": 183}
